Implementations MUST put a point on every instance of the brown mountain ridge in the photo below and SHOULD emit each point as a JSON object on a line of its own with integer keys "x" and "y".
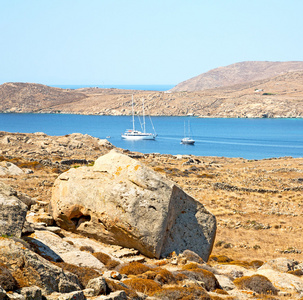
{"x": 242, "y": 72}
{"x": 276, "y": 96}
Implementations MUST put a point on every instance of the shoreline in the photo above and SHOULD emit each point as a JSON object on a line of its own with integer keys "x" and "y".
{"x": 129, "y": 115}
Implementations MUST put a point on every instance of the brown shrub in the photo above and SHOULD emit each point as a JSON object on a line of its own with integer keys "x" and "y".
{"x": 225, "y": 298}
{"x": 182, "y": 293}
{"x": 211, "y": 282}
{"x": 87, "y": 249}
{"x": 180, "y": 277}
{"x": 31, "y": 165}
{"x": 240, "y": 263}
{"x": 220, "y": 291}
{"x": 256, "y": 263}
{"x": 134, "y": 268}
{"x": 204, "y": 175}
{"x": 162, "y": 276}
{"x": 26, "y": 276}
{"x": 106, "y": 260}
{"x": 257, "y": 283}
{"x": 146, "y": 286}
{"x": 220, "y": 258}
{"x": 56, "y": 170}
{"x": 7, "y": 281}
{"x": 84, "y": 273}
{"x": 190, "y": 266}
{"x": 297, "y": 272}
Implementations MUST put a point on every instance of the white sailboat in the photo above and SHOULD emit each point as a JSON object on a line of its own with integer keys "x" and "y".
{"x": 187, "y": 140}
{"x": 133, "y": 134}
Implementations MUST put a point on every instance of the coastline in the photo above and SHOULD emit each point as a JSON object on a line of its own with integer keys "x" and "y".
{"x": 213, "y": 103}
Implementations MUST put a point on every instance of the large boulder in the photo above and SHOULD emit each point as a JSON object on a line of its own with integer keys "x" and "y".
{"x": 121, "y": 201}
{"x": 12, "y": 212}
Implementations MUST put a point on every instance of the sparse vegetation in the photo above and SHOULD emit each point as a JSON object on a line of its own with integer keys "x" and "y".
{"x": 211, "y": 283}
{"x": 7, "y": 281}
{"x": 257, "y": 283}
{"x": 182, "y": 293}
{"x": 84, "y": 273}
{"x": 106, "y": 260}
{"x": 146, "y": 286}
{"x": 134, "y": 268}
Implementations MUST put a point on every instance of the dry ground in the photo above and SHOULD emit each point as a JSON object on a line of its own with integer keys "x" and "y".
{"x": 258, "y": 203}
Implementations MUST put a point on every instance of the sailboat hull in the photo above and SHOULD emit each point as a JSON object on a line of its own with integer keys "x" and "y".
{"x": 137, "y": 135}
{"x": 187, "y": 141}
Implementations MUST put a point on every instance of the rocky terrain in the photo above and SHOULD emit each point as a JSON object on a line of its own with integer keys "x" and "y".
{"x": 252, "y": 95}
{"x": 238, "y": 73}
{"x": 257, "y": 252}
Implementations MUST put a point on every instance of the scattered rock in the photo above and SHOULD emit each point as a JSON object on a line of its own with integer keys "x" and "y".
{"x": 98, "y": 285}
{"x": 280, "y": 264}
{"x": 31, "y": 293}
{"x": 12, "y": 212}
{"x": 32, "y": 269}
{"x": 8, "y": 168}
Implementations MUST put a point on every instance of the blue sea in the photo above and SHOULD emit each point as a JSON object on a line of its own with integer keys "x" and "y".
{"x": 141, "y": 87}
{"x": 246, "y": 138}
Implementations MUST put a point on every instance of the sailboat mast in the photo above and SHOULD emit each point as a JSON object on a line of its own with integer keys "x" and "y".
{"x": 133, "y": 113}
{"x": 143, "y": 117}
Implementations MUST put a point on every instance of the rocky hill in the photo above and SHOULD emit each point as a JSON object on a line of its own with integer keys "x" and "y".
{"x": 242, "y": 72}
{"x": 33, "y": 97}
{"x": 273, "y": 97}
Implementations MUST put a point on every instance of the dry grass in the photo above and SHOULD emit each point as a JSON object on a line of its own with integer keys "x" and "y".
{"x": 134, "y": 268}
{"x": 257, "y": 283}
{"x": 237, "y": 210}
{"x": 160, "y": 275}
{"x": 251, "y": 221}
{"x": 116, "y": 286}
{"x": 106, "y": 260}
{"x": 84, "y": 274}
{"x": 211, "y": 282}
{"x": 182, "y": 293}
{"x": 7, "y": 281}
{"x": 146, "y": 286}
{"x": 223, "y": 259}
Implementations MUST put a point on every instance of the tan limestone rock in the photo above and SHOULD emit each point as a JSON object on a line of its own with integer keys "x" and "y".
{"x": 121, "y": 201}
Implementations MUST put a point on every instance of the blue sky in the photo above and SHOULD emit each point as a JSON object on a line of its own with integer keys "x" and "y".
{"x": 103, "y": 42}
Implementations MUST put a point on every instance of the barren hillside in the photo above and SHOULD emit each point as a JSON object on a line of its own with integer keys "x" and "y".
{"x": 274, "y": 97}
{"x": 242, "y": 72}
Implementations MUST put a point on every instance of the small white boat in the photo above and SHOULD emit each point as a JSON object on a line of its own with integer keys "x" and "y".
{"x": 187, "y": 140}
{"x": 135, "y": 135}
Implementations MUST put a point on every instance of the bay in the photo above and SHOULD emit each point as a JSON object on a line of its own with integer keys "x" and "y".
{"x": 246, "y": 138}
{"x": 139, "y": 87}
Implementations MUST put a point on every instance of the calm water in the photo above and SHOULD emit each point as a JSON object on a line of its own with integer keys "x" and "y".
{"x": 247, "y": 138}
{"x": 146, "y": 87}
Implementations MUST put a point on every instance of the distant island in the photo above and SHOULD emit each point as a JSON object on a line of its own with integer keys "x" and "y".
{"x": 242, "y": 90}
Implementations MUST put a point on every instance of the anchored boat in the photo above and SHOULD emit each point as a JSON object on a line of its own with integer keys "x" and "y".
{"x": 187, "y": 140}
{"x": 133, "y": 134}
